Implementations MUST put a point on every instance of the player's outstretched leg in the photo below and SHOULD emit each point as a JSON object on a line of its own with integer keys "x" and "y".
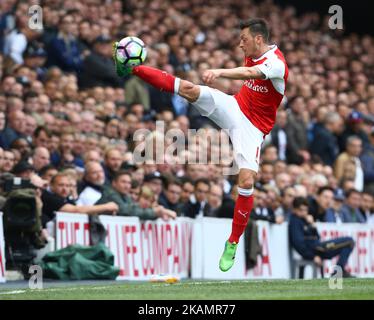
{"x": 242, "y": 211}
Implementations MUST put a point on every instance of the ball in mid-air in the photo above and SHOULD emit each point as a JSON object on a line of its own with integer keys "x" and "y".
{"x": 131, "y": 51}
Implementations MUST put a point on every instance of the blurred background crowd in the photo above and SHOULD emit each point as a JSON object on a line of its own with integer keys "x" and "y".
{"x": 67, "y": 121}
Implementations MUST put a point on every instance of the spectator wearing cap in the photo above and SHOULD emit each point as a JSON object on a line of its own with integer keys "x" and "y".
{"x": 35, "y": 59}
{"x": 354, "y": 127}
{"x": 64, "y": 49}
{"x": 334, "y": 214}
{"x": 367, "y": 160}
{"x": 98, "y": 67}
{"x": 350, "y": 210}
{"x": 349, "y": 161}
{"x": 367, "y": 207}
{"x": 325, "y": 143}
{"x": 155, "y": 181}
{"x": 23, "y": 169}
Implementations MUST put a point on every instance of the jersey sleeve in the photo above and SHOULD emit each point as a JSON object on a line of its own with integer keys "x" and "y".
{"x": 272, "y": 68}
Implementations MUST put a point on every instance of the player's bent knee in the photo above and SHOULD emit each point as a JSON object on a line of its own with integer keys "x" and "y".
{"x": 189, "y": 91}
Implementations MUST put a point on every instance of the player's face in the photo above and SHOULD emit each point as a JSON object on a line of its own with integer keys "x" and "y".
{"x": 249, "y": 43}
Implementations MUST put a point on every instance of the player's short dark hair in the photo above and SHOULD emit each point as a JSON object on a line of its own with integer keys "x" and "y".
{"x": 300, "y": 201}
{"x": 256, "y": 26}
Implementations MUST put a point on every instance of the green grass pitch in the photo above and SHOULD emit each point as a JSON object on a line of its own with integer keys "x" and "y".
{"x": 217, "y": 290}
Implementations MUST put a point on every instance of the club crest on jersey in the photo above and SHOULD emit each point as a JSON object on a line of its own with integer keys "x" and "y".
{"x": 250, "y": 84}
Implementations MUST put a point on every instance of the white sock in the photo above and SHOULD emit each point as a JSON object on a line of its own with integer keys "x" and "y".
{"x": 245, "y": 192}
{"x": 177, "y": 84}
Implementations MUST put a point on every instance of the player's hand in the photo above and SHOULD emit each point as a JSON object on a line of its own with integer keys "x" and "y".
{"x": 209, "y": 76}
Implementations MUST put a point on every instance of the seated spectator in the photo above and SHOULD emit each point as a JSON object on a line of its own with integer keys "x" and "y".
{"x": 112, "y": 163}
{"x": 195, "y": 206}
{"x": 155, "y": 181}
{"x": 57, "y": 200}
{"x": 40, "y": 158}
{"x": 146, "y": 198}
{"x": 325, "y": 143}
{"x": 367, "y": 161}
{"x": 350, "y": 160}
{"x": 16, "y": 124}
{"x": 9, "y": 161}
{"x": 304, "y": 238}
{"x": 367, "y": 207}
{"x": 98, "y": 66}
{"x": 91, "y": 188}
{"x": 318, "y": 206}
{"x": 135, "y": 190}
{"x": 119, "y": 192}
{"x": 187, "y": 189}
{"x": 215, "y": 198}
{"x": 170, "y": 197}
{"x": 287, "y": 197}
{"x": 351, "y": 208}
{"x": 48, "y": 172}
{"x": 334, "y": 214}
{"x": 64, "y": 50}
{"x": 65, "y": 155}
{"x": 260, "y": 211}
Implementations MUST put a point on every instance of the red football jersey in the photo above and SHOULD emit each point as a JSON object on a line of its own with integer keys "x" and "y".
{"x": 259, "y": 98}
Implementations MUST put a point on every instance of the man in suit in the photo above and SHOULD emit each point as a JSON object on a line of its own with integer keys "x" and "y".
{"x": 304, "y": 238}
{"x": 195, "y": 206}
{"x": 351, "y": 208}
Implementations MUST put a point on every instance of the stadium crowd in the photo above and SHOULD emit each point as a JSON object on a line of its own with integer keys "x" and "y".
{"x": 69, "y": 123}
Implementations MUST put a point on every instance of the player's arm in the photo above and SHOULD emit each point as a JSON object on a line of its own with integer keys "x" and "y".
{"x": 240, "y": 73}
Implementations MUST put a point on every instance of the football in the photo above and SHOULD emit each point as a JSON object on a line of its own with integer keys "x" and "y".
{"x": 131, "y": 51}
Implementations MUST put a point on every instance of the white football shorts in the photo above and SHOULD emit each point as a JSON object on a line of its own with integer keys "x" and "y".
{"x": 223, "y": 109}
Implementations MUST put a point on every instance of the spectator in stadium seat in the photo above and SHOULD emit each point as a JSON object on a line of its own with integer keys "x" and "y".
{"x": 260, "y": 211}
{"x": 155, "y": 181}
{"x": 319, "y": 205}
{"x": 91, "y": 188}
{"x": 349, "y": 160}
{"x": 40, "y": 158}
{"x": 119, "y": 192}
{"x": 215, "y": 198}
{"x": 195, "y": 206}
{"x": 334, "y": 214}
{"x": 112, "y": 163}
{"x": 351, "y": 208}
{"x": 15, "y": 128}
{"x": 367, "y": 207}
{"x": 64, "y": 50}
{"x": 280, "y": 137}
{"x": 9, "y": 161}
{"x": 57, "y": 200}
{"x": 304, "y": 238}
{"x": 41, "y": 137}
{"x": 354, "y": 127}
{"x": 297, "y": 133}
{"x": 287, "y": 196}
{"x": 98, "y": 66}
{"x": 266, "y": 173}
{"x": 367, "y": 161}
{"x": 170, "y": 197}
{"x": 325, "y": 143}
{"x": 187, "y": 189}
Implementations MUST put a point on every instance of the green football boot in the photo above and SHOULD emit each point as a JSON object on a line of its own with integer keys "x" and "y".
{"x": 120, "y": 68}
{"x": 228, "y": 256}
